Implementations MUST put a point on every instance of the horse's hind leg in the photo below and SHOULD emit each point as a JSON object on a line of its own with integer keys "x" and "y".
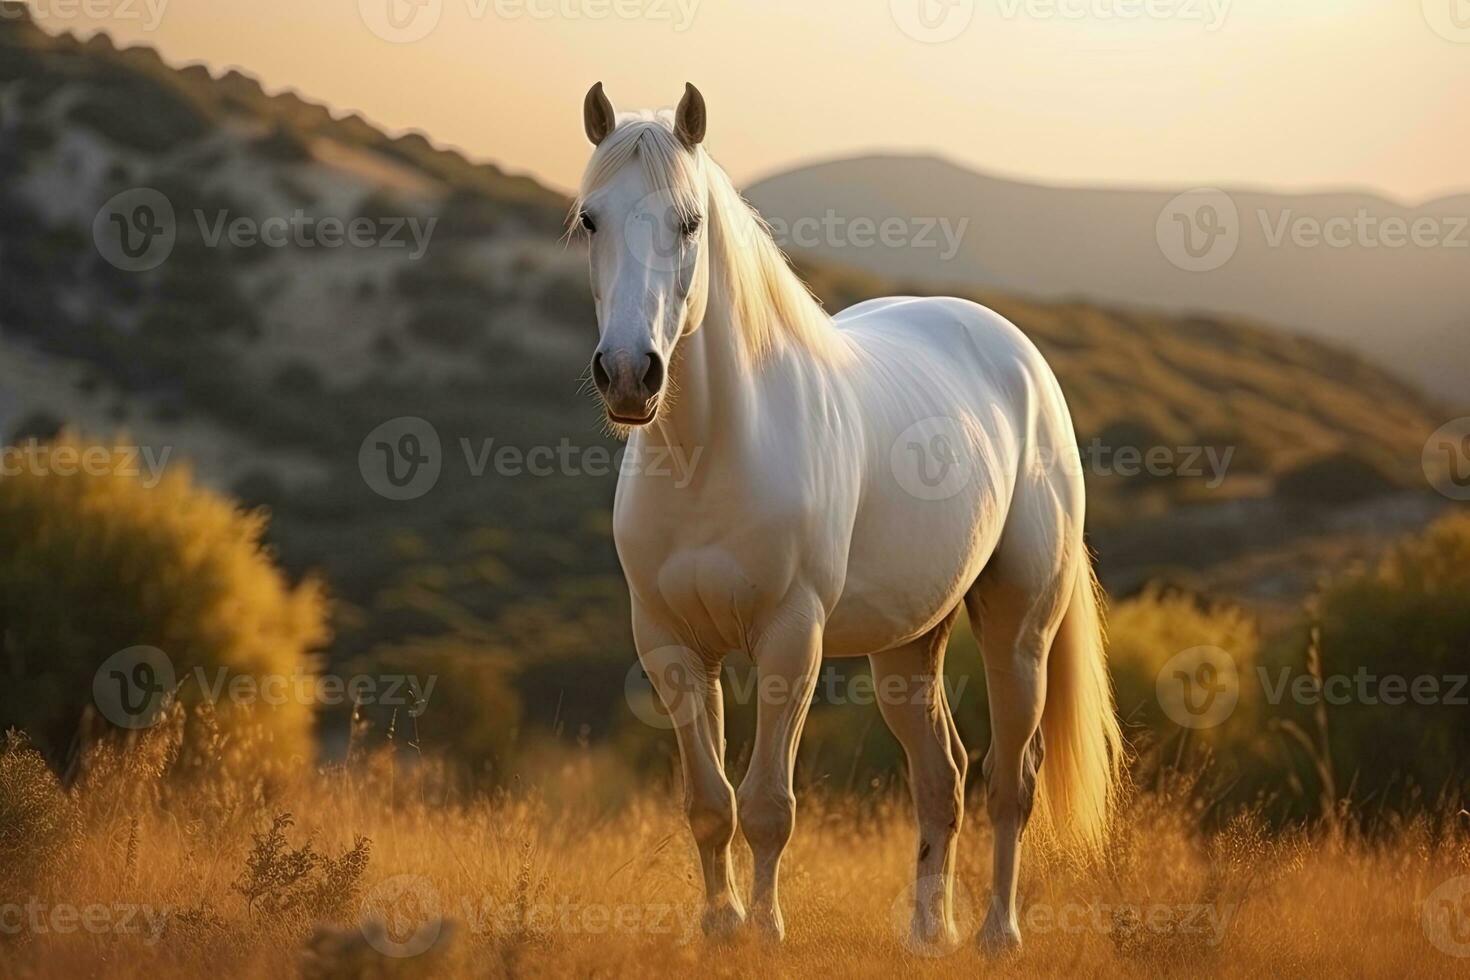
{"x": 1016, "y": 608}
{"x": 788, "y": 659}
{"x": 909, "y": 682}
{"x": 689, "y": 686}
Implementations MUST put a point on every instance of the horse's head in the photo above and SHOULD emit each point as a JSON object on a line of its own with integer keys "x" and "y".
{"x": 642, "y": 206}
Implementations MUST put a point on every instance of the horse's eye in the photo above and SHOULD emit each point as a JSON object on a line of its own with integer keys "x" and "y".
{"x": 690, "y": 226}
{"x": 587, "y": 222}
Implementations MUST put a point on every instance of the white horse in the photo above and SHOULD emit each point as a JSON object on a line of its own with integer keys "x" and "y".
{"x": 859, "y": 479}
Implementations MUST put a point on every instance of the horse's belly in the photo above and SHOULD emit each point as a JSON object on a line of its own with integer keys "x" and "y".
{"x": 906, "y": 575}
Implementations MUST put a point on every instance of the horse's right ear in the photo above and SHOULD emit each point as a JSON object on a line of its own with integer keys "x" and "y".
{"x": 597, "y": 115}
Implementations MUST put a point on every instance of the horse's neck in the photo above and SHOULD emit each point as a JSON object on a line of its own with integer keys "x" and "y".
{"x": 714, "y": 391}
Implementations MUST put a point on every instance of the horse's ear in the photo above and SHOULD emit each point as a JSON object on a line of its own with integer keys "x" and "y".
{"x": 597, "y": 114}
{"x": 689, "y": 118}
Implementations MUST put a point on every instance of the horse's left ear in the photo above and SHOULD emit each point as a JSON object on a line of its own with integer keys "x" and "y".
{"x": 689, "y": 118}
{"x": 598, "y": 117}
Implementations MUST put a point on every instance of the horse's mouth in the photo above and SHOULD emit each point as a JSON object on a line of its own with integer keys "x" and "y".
{"x": 626, "y": 420}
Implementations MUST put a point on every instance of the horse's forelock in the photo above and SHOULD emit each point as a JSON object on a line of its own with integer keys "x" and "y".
{"x": 670, "y": 167}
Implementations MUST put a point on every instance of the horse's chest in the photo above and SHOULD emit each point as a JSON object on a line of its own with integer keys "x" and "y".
{"x": 712, "y": 595}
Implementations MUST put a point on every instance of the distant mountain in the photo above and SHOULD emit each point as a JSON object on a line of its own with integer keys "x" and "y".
{"x": 1355, "y": 269}
{"x": 271, "y": 359}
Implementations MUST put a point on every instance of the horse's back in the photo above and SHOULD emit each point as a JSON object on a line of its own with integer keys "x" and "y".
{"x": 943, "y": 355}
{"x": 957, "y": 404}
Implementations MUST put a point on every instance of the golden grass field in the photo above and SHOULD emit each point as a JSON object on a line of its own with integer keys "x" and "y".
{"x": 139, "y": 871}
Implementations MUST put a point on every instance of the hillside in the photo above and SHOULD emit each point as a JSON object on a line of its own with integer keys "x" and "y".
{"x": 1308, "y": 262}
{"x": 272, "y": 367}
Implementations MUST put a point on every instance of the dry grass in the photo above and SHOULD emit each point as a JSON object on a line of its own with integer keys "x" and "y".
{"x": 216, "y": 880}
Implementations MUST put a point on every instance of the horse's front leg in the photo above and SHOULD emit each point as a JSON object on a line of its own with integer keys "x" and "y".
{"x": 688, "y": 684}
{"x": 788, "y": 658}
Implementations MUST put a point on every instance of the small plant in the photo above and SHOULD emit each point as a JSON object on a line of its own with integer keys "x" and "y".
{"x": 279, "y": 880}
{"x": 104, "y": 557}
{"x": 40, "y": 824}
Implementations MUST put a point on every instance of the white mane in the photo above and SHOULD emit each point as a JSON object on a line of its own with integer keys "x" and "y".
{"x": 769, "y": 304}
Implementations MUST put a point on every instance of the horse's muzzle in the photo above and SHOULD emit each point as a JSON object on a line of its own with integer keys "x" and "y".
{"x": 630, "y": 384}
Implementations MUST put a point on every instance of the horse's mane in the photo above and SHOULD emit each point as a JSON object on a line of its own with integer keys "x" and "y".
{"x": 769, "y": 304}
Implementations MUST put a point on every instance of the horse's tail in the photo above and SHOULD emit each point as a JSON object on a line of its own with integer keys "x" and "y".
{"x": 1082, "y": 772}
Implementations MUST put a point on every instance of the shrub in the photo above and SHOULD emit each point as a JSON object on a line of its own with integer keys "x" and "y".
{"x": 40, "y": 825}
{"x": 1146, "y": 632}
{"x": 1339, "y": 479}
{"x": 109, "y": 556}
{"x": 1405, "y": 618}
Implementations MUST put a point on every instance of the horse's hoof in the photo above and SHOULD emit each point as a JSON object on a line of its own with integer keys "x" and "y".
{"x": 721, "y": 922}
{"x": 999, "y": 939}
{"x": 932, "y": 941}
{"x": 768, "y": 925}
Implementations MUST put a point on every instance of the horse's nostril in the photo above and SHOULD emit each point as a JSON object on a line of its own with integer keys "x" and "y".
{"x": 599, "y": 374}
{"x": 653, "y": 375}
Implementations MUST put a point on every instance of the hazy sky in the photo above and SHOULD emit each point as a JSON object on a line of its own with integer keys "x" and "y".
{"x": 1283, "y": 93}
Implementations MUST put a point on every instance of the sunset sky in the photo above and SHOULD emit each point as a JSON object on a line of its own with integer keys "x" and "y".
{"x": 1295, "y": 95}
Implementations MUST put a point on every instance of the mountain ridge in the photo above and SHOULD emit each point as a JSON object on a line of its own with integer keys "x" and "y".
{"x": 1111, "y": 245}
{"x": 271, "y": 367}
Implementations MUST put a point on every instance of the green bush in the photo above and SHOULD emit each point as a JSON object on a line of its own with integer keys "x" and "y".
{"x": 98, "y": 554}
{"x": 40, "y": 825}
{"x": 1147, "y": 632}
{"x": 1337, "y": 479}
{"x": 1389, "y": 628}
